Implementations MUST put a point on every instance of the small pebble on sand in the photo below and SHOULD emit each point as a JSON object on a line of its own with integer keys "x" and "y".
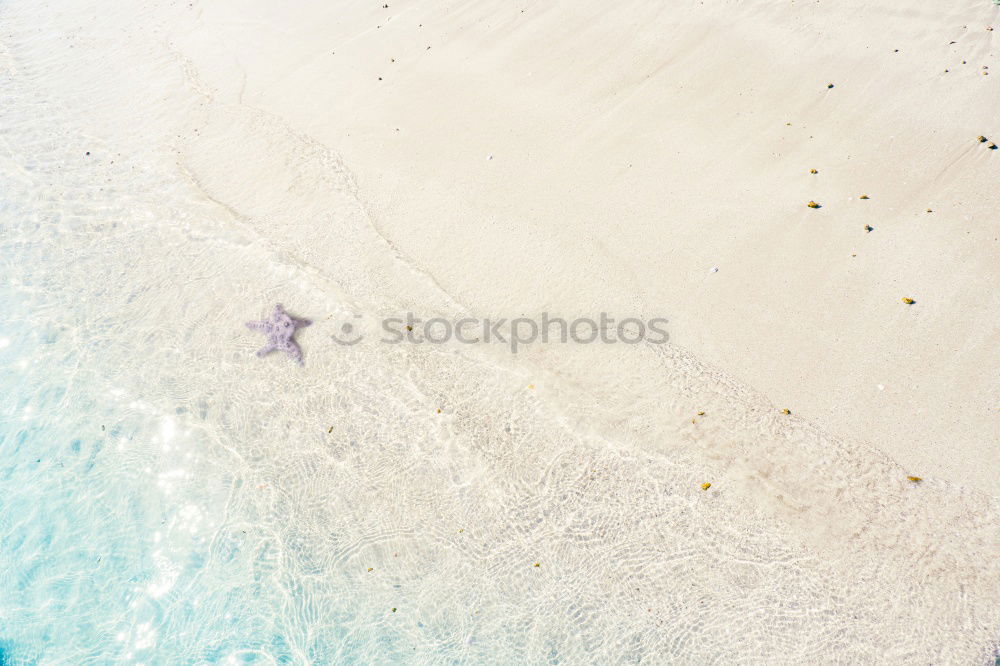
{"x": 813, "y": 204}
{"x": 786, "y": 411}
{"x": 706, "y": 486}
{"x": 864, "y": 197}
{"x": 914, "y": 479}
{"x": 908, "y": 300}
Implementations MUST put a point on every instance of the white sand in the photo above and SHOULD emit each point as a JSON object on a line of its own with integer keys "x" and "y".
{"x": 633, "y": 148}
{"x": 636, "y": 146}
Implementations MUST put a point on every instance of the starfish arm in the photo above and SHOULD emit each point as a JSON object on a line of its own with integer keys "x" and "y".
{"x": 266, "y": 349}
{"x": 299, "y": 323}
{"x": 292, "y": 349}
{"x": 257, "y": 325}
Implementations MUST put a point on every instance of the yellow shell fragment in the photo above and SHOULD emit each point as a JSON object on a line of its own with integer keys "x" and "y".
{"x": 908, "y": 301}
{"x": 914, "y": 479}
{"x": 813, "y": 204}
{"x": 864, "y": 196}
{"x": 706, "y": 485}
{"x": 786, "y": 411}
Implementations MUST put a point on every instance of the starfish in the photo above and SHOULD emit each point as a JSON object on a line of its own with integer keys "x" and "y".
{"x": 279, "y": 329}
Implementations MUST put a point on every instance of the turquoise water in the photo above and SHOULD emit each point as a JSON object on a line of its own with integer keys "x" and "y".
{"x": 118, "y": 542}
{"x": 98, "y": 562}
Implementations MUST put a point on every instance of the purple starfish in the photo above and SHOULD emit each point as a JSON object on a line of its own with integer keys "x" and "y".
{"x": 279, "y": 329}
